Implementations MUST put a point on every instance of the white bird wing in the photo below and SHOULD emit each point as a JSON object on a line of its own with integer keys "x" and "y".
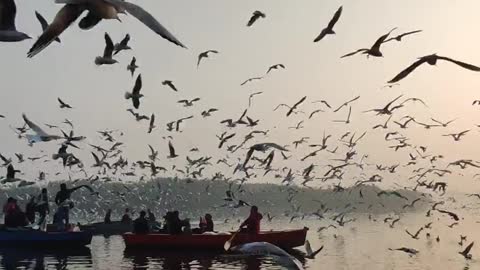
{"x": 34, "y": 127}
{"x": 147, "y": 19}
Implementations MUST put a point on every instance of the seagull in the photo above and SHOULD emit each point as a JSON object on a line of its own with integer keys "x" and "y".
{"x": 399, "y": 37}
{"x": 170, "y": 84}
{"x": 205, "y": 54}
{"x": 415, "y": 236}
{"x": 97, "y": 10}
{"x": 8, "y": 31}
{"x": 346, "y": 103}
{"x": 466, "y": 252}
{"x": 63, "y": 105}
{"x": 329, "y": 29}
{"x": 40, "y": 135}
{"x": 255, "y": 16}
{"x": 386, "y": 110}
{"x": 443, "y": 124}
{"x": 209, "y": 112}
{"x": 132, "y": 66}
{"x": 123, "y": 45}
{"x": 171, "y": 150}
{"x": 262, "y": 147}
{"x": 294, "y": 107}
{"x": 251, "y": 97}
{"x": 11, "y": 172}
{"x": 310, "y": 253}
{"x": 44, "y": 23}
{"x": 106, "y": 59}
{"x": 410, "y": 251}
{"x": 152, "y": 124}
{"x": 374, "y": 50}
{"x": 431, "y": 60}
{"x": 348, "y": 117}
{"x": 457, "y": 136}
{"x": 135, "y": 95}
{"x": 251, "y": 79}
{"x": 277, "y": 66}
{"x": 188, "y": 103}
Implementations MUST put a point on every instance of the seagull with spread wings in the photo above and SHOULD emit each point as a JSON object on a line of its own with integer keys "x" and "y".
{"x": 374, "y": 50}
{"x": 431, "y": 60}
{"x": 106, "y": 59}
{"x": 40, "y": 134}
{"x": 255, "y": 16}
{"x": 123, "y": 45}
{"x": 205, "y": 54}
{"x": 8, "y": 31}
{"x": 135, "y": 94}
{"x": 329, "y": 29}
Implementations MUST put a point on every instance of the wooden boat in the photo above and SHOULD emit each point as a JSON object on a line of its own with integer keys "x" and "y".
{"x": 29, "y": 238}
{"x": 114, "y": 228}
{"x": 285, "y": 239}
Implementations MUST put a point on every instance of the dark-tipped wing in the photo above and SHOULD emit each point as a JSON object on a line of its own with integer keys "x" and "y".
{"x": 335, "y": 18}
{"x": 64, "y": 18}
{"x": 382, "y": 39}
{"x": 462, "y": 64}
{"x": 253, "y": 19}
{"x": 404, "y": 73}
{"x": 8, "y": 11}
{"x": 107, "y": 53}
{"x": 171, "y": 149}
{"x": 42, "y": 20}
{"x": 34, "y": 127}
{"x": 147, "y": 19}
{"x": 138, "y": 85}
{"x": 353, "y": 53}
{"x": 125, "y": 40}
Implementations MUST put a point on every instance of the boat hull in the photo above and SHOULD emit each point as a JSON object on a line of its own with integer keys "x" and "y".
{"x": 284, "y": 239}
{"x": 44, "y": 239}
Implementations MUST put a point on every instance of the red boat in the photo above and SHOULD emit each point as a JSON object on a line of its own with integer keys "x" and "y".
{"x": 284, "y": 239}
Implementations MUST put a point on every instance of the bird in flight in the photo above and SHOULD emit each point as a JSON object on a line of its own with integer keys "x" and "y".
{"x": 188, "y": 103}
{"x": 8, "y": 31}
{"x": 132, "y": 66}
{"x": 135, "y": 94}
{"x": 466, "y": 252}
{"x": 97, "y": 10}
{"x": 40, "y": 135}
{"x": 63, "y": 105}
{"x": 294, "y": 107}
{"x": 106, "y": 59}
{"x": 329, "y": 29}
{"x": 276, "y": 67}
{"x": 171, "y": 150}
{"x": 205, "y": 54}
{"x": 399, "y": 37}
{"x": 170, "y": 84}
{"x": 374, "y": 50}
{"x": 255, "y": 16}
{"x": 123, "y": 45}
{"x": 457, "y": 136}
{"x": 250, "y": 79}
{"x": 431, "y": 60}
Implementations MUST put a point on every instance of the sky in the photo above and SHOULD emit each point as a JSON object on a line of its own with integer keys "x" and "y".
{"x": 315, "y": 70}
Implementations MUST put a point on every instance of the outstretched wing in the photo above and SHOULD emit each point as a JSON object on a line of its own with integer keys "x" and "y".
{"x": 34, "y": 127}
{"x": 404, "y": 73}
{"x": 107, "y": 53}
{"x": 335, "y": 18}
{"x": 462, "y": 64}
{"x": 42, "y": 20}
{"x": 8, "y": 11}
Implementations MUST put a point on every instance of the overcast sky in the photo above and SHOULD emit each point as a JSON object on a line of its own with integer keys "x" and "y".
{"x": 315, "y": 70}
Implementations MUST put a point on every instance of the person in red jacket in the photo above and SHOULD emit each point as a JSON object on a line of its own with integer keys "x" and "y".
{"x": 252, "y": 223}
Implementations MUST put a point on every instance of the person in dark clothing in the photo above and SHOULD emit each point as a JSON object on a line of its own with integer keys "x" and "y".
{"x": 205, "y": 225}
{"x": 252, "y": 223}
{"x": 140, "y": 225}
{"x": 209, "y": 222}
{"x": 62, "y": 199}
{"x": 126, "y": 216}
{"x": 42, "y": 206}
{"x": 108, "y": 217}
{"x": 14, "y": 217}
{"x": 30, "y": 209}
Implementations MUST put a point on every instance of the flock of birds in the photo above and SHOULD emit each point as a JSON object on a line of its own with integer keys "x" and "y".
{"x": 260, "y": 156}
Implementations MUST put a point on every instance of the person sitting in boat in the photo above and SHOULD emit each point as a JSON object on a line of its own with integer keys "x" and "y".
{"x": 140, "y": 225}
{"x": 108, "y": 217}
{"x": 205, "y": 225}
{"x": 173, "y": 223}
{"x": 151, "y": 216}
{"x": 126, "y": 216}
{"x": 252, "y": 223}
{"x": 14, "y": 217}
{"x": 62, "y": 199}
{"x": 42, "y": 208}
{"x": 30, "y": 210}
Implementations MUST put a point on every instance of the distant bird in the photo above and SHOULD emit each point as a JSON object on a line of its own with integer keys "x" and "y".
{"x": 251, "y": 97}
{"x": 346, "y": 103}
{"x": 255, "y": 16}
{"x": 276, "y": 66}
{"x": 374, "y": 50}
{"x": 171, "y": 150}
{"x": 386, "y": 110}
{"x": 294, "y": 107}
{"x": 466, "y": 252}
{"x": 409, "y": 251}
{"x": 475, "y": 102}
{"x": 451, "y": 214}
{"x": 399, "y": 37}
{"x": 250, "y": 79}
{"x": 152, "y": 123}
{"x": 347, "y": 121}
{"x": 123, "y": 45}
{"x": 135, "y": 94}
{"x": 132, "y": 66}
{"x": 457, "y": 136}
{"x": 170, "y": 84}
{"x": 209, "y": 112}
{"x": 63, "y": 105}
{"x": 106, "y": 59}
{"x": 44, "y": 23}
{"x": 97, "y": 11}
{"x": 431, "y": 60}
{"x": 329, "y": 29}
{"x": 310, "y": 253}
{"x": 8, "y": 31}
{"x": 205, "y": 54}
{"x": 11, "y": 172}
{"x": 188, "y": 103}
{"x": 262, "y": 147}
{"x": 415, "y": 236}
